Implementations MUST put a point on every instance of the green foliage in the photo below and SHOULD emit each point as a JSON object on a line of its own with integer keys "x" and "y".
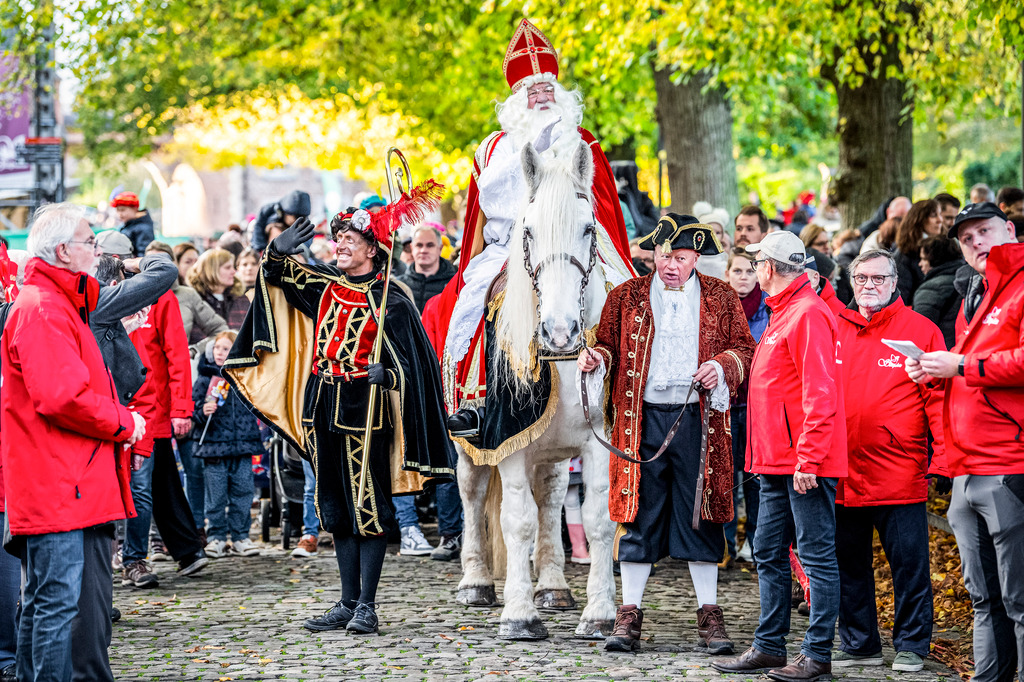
{"x": 999, "y": 171}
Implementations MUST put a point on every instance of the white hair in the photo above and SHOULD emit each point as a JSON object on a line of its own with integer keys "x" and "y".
{"x": 53, "y": 225}
{"x": 524, "y": 124}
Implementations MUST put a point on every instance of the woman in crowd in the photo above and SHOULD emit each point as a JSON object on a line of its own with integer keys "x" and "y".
{"x": 814, "y": 236}
{"x": 922, "y": 220}
{"x": 185, "y": 255}
{"x": 213, "y": 277}
{"x": 937, "y": 298}
{"x": 247, "y": 266}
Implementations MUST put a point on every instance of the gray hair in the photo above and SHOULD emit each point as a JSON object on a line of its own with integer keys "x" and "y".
{"x": 427, "y": 228}
{"x": 873, "y": 255}
{"x": 53, "y": 225}
{"x": 786, "y": 269}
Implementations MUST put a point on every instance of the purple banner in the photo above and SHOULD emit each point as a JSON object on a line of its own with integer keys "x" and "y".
{"x": 15, "y": 122}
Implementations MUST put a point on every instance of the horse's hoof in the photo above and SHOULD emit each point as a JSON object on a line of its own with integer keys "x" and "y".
{"x": 554, "y": 600}
{"x": 594, "y": 629}
{"x": 522, "y": 630}
{"x": 477, "y": 595}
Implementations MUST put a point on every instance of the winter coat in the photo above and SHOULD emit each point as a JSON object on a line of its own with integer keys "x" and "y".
{"x": 796, "y": 390}
{"x": 4, "y": 309}
{"x": 231, "y": 308}
{"x": 140, "y": 230}
{"x": 197, "y": 317}
{"x": 169, "y": 379}
{"x": 625, "y": 338}
{"x": 984, "y": 409}
{"x": 828, "y": 295}
{"x": 425, "y": 288}
{"x": 62, "y": 423}
{"x": 233, "y": 430}
{"x": 909, "y": 273}
{"x": 295, "y": 203}
{"x": 888, "y": 416}
{"x": 938, "y": 300}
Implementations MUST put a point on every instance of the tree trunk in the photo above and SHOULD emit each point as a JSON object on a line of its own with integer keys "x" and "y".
{"x": 696, "y": 128}
{"x": 875, "y": 145}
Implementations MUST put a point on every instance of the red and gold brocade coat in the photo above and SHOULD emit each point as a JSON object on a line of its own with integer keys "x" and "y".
{"x": 625, "y": 338}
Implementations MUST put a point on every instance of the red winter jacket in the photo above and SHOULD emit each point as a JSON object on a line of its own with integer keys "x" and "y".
{"x": 62, "y": 424}
{"x": 888, "y": 416}
{"x": 795, "y": 399}
{"x": 828, "y": 295}
{"x": 984, "y": 409}
{"x": 168, "y": 388}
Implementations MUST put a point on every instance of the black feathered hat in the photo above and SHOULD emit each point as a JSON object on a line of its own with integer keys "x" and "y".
{"x": 676, "y": 231}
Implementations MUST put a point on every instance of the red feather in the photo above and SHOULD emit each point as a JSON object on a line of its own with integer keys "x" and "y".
{"x": 8, "y": 275}
{"x": 411, "y": 207}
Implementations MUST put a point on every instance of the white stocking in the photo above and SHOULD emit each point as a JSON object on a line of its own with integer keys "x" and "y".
{"x": 573, "y": 513}
{"x": 705, "y": 582}
{"x": 634, "y": 580}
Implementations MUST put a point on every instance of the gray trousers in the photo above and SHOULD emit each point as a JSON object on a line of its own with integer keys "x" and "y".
{"x": 987, "y": 516}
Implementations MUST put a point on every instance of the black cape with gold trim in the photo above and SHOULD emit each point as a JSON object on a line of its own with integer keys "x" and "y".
{"x": 272, "y": 358}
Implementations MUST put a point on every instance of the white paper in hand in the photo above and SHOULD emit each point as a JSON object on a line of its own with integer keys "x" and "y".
{"x": 908, "y": 348}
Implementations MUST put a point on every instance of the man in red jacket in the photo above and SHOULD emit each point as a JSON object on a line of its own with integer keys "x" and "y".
{"x": 797, "y": 444}
{"x": 888, "y": 419}
{"x": 983, "y": 416}
{"x": 64, "y": 429}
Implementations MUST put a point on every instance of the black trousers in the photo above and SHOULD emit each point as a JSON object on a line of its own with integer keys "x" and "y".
{"x": 667, "y": 491}
{"x": 171, "y": 510}
{"x": 90, "y": 629}
{"x": 903, "y": 531}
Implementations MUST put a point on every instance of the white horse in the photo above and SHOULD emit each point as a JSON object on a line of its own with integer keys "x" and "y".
{"x": 554, "y": 294}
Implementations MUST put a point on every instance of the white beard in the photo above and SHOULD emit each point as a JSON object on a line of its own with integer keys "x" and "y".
{"x": 524, "y": 125}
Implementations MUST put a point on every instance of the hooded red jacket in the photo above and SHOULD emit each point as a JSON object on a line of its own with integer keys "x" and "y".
{"x": 795, "y": 390}
{"x": 62, "y": 424}
{"x": 984, "y": 409}
{"x": 888, "y": 416}
{"x": 167, "y": 392}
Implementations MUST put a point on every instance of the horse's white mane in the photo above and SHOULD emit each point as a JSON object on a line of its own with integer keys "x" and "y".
{"x": 552, "y": 211}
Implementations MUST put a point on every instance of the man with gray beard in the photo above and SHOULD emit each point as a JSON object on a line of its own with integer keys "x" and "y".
{"x": 542, "y": 112}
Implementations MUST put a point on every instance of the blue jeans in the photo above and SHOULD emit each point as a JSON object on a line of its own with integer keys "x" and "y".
{"x": 229, "y": 486}
{"x": 449, "y": 509}
{"x": 195, "y": 489}
{"x": 405, "y": 511}
{"x": 310, "y": 522}
{"x": 136, "y": 531}
{"x": 810, "y": 519}
{"x": 54, "y": 564}
{"x": 10, "y": 593}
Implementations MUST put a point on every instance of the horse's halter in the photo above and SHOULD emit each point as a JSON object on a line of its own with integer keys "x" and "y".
{"x": 534, "y": 272}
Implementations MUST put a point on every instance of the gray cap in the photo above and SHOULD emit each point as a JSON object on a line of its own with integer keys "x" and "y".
{"x": 113, "y": 243}
{"x": 783, "y": 246}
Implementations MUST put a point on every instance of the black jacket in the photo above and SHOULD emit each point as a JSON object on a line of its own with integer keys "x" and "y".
{"x": 875, "y": 221}
{"x": 233, "y": 430}
{"x": 295, "y": 203}
{"x": 908, "y": 269}
{"x": 939, "y": 301}
{"x": 425, "y": 288}
{"x": 127, "y": 298}
{"x": 140, "y": 230}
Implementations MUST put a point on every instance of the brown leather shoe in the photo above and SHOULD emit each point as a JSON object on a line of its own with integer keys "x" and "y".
{"x": 626, "y": 632}
{"x": 750, "y": 661}
{"x": 802, "y": 669}
{"x": 711, "y": 628}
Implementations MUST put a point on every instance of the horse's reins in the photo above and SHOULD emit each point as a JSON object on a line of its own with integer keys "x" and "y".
{"x": 705, "y": 414}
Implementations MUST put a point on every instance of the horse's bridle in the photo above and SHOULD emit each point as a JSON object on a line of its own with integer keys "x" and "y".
{"x": 534, "y": 272}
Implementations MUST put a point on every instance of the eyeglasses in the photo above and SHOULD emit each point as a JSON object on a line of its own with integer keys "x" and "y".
{"x": 90, "y": 242}
{"x": 758, "y": 261}
{"x": 535, "y": 92}
{"x": 877, "y": 280}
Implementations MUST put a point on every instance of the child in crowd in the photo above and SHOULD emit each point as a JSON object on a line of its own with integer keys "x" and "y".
{"x": 227, "y": 435}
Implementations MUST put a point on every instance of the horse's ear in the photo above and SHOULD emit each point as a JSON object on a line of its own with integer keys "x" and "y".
{"x": 583, "y": 163}
{"x": 531, "y": 168}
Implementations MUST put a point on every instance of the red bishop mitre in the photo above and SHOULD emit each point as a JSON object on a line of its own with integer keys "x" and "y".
{"x": 529, "y": 54}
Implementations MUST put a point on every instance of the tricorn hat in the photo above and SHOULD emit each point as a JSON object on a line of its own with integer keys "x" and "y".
{"x": 676, "y": 231}
{"x": 529, "y": 54}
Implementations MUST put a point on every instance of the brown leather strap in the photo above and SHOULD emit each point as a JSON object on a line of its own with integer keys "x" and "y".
{"x": 698, "y": 497}
{"x": 664, "y": 444}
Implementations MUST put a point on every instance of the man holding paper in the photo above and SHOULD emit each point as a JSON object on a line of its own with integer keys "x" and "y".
{"x": 983, "y": 416}
{"x": 888, "y": 418}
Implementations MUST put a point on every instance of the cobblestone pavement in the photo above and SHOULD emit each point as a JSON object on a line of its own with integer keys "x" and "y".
{"x": 241, "y": 619}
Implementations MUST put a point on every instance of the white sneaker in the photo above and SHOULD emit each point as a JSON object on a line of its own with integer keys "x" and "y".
{"x": 413, "y": 542}
{"x": 745, "y": 553}
{"x": 244, "y": 547}
{"x": 215, "y": 549}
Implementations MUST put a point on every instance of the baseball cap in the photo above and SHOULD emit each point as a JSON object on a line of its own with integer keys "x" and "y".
{"x": 114, "y": 243}
{"x": 979, "y": 211}
{"x": 783, "y": 246}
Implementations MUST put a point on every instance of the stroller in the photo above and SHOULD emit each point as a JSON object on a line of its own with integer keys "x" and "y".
{"x": 281, "y": 500}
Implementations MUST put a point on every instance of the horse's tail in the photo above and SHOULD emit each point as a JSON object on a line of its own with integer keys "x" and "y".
{"x": 494, "y": 553}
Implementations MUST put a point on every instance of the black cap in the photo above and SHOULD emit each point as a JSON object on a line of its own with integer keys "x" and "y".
{"x": 980, "y": 211}
{"x": 682, "y": 232}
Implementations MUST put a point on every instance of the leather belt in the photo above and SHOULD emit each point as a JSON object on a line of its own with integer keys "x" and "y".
{"x": 339, "y": 377}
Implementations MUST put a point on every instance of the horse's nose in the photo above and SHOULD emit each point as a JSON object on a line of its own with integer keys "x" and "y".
{"x": 560, "y": 335}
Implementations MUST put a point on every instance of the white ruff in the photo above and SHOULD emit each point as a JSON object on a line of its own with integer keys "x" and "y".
{"x": 676, "y": 332}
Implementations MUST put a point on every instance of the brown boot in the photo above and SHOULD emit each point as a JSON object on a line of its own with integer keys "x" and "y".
{"x": 802, "y": 669}
{"x": 626, "y": 632}
{"x": 711, "y": 628}
{"x": 750, "y": 661}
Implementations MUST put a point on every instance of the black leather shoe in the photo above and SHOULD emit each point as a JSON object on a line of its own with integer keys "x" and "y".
{"x": 802, "y": 669}
{"x": 364, "y": 622}
{"x": 115, "y": 615}
{"x": 466, "y": 422}
{"x": 750, "y": 661}
{"x": 335, "y": 618}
